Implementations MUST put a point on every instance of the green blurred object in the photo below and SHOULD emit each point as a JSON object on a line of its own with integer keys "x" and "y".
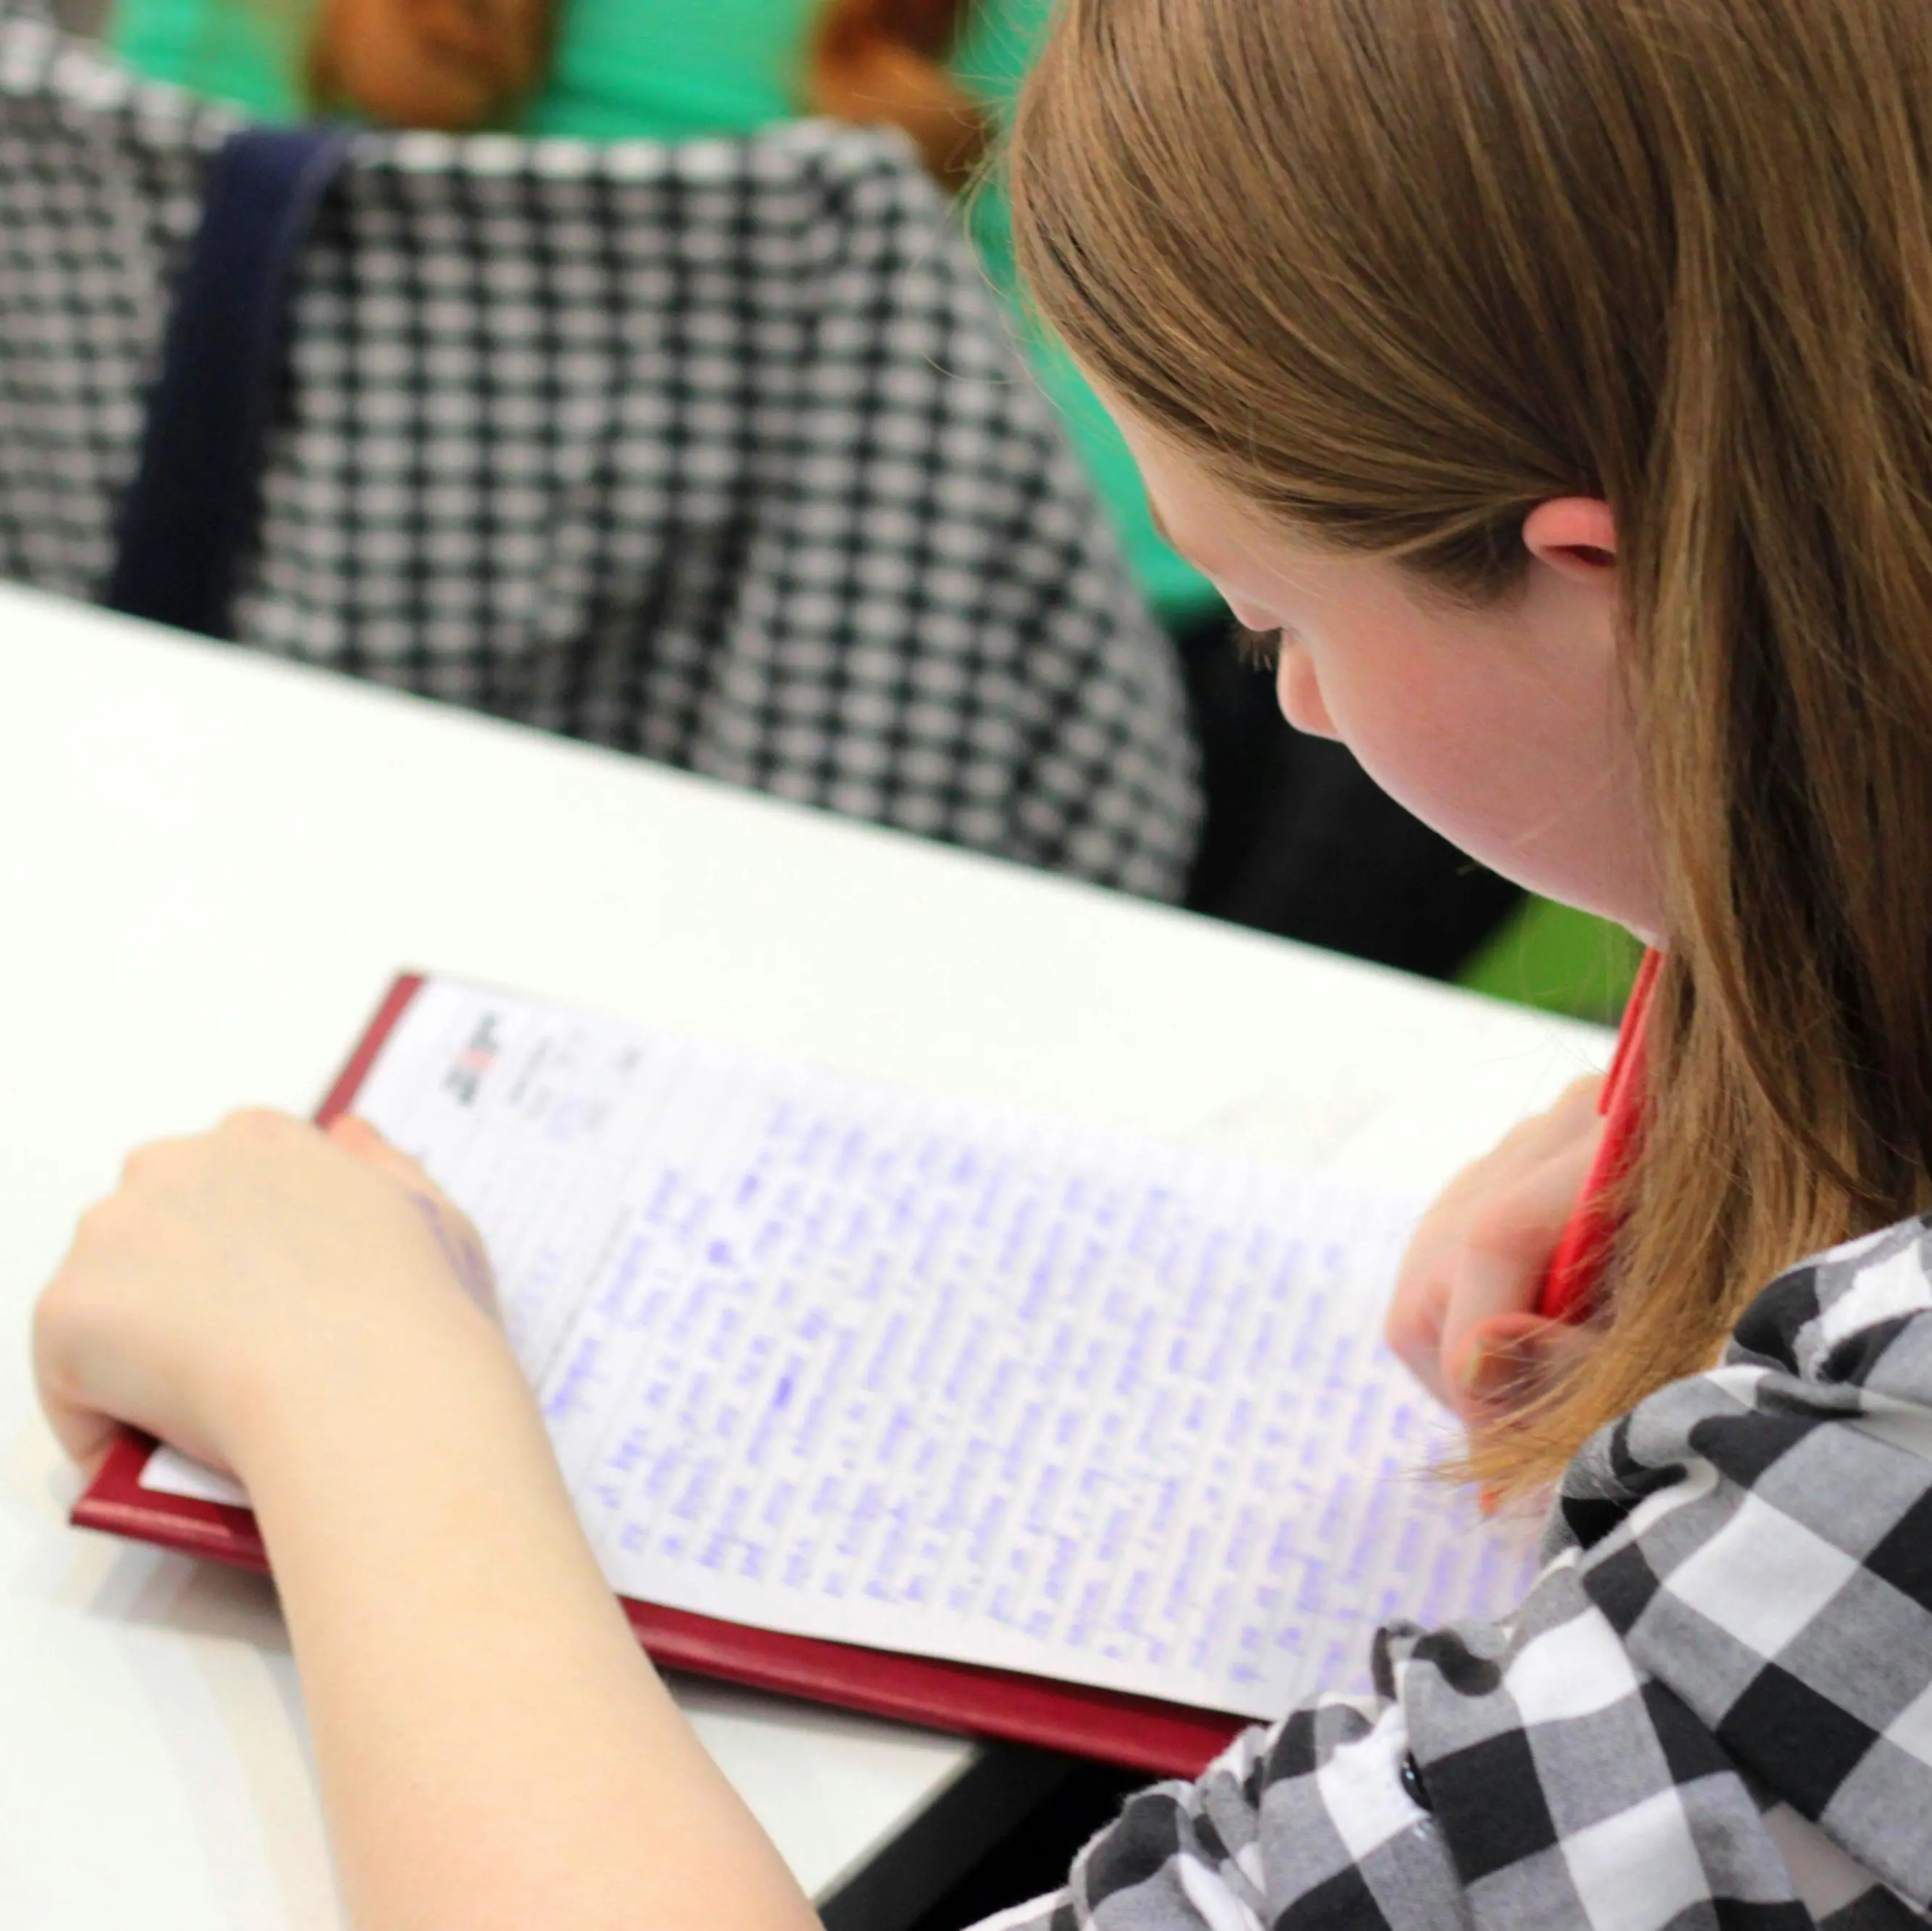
{"x": 1561, "y": 959}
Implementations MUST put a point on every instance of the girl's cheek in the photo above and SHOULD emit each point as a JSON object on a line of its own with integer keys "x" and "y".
{"x": 1298, "y": 691}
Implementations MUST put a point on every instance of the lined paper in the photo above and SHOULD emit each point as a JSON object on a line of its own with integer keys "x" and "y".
{"x": 825, "y": 1356}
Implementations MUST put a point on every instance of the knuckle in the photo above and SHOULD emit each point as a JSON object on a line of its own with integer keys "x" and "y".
{"x": 1577, "y": 1111}
{"x": 62, "y": 1303}
{"x": 99, "y": 1221}
{"x": 1506, "y": 1229}
{"x": 49, "y": 1309}
{"x": 47, "y": 1340}
{"x": 1531, "y": 1208}
{"x": 1403, "y": 1337}
{"x": 152, "y": 1163}
{"x": 1410, "y": 1325}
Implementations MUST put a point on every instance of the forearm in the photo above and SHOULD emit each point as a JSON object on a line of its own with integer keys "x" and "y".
{"x": 494, "y": 1749}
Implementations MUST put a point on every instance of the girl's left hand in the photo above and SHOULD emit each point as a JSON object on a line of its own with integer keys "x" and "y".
{"x": 234, "y": 1275}
{"x": 493, "y": 1749}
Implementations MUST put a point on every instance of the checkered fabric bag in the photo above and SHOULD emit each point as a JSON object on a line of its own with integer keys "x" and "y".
{"x": 714, "y": 450}
{"x": 1713, "y": 1712}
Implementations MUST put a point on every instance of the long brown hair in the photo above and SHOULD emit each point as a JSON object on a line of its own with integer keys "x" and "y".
{"x": 457, "y": 64}
{"x": 1394, "y": 272}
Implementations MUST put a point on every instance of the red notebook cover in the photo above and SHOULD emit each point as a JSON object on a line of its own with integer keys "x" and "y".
{"x": 1137, "y": 1731}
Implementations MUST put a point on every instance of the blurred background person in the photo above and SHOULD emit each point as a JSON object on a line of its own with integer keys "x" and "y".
{"x": 1297, "y": 840}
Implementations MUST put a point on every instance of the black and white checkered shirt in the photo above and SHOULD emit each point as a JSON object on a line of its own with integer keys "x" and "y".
{"x": 1714, "y": 1713}
{"x": 715, "y": 451}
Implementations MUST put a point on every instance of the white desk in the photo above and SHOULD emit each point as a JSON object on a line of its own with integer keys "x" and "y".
{"x": 213, "y": 865}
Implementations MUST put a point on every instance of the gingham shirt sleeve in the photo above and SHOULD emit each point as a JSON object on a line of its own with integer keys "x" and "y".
{"x": 1715, "y": 1708}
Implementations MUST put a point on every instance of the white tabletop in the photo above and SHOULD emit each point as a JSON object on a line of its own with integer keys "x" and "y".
{"x": 215, "y": 864}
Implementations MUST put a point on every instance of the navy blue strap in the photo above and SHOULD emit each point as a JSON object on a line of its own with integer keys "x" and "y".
{"x": 191, "y": 509}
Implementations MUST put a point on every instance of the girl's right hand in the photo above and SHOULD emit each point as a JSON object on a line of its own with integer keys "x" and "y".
{"x": 1463, "y": 1316}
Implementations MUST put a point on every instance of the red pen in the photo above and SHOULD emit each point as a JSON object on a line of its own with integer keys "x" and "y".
{"x": 1577, "y": 1269}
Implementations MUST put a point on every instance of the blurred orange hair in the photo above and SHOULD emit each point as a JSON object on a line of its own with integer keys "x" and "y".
{"x": 458, "y": 65}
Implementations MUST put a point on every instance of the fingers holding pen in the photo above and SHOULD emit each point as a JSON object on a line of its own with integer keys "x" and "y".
{"x": 1462, "y": 1318}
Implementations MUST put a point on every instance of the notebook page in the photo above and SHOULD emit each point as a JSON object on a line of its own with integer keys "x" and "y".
{"x": 828, "y": 1356}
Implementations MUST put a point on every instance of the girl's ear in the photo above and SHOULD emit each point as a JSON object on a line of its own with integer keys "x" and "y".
{"x": 1574, "y": 534}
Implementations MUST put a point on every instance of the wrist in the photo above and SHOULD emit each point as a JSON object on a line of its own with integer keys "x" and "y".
{"x": 380, "y": 1411}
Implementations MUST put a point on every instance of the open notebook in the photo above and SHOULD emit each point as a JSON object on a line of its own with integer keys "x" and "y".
{"x": 1106, "y": 1421}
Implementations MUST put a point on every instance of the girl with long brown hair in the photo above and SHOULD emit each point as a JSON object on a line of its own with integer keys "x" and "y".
{"x": 1553, "y": 384}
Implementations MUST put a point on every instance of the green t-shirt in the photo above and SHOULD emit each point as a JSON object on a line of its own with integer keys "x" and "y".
{"x": 666, "y": 70}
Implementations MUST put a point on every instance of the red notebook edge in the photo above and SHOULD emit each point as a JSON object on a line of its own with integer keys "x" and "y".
{"x": 1136, "y": 1732}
